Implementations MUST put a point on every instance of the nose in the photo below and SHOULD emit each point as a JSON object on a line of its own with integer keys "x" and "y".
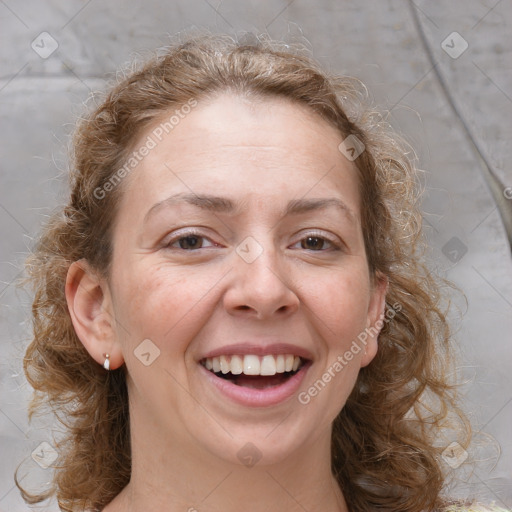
{"x": 262, "y": 288}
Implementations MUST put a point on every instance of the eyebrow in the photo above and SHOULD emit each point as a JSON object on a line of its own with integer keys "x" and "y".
{"x": 225, "y": 205}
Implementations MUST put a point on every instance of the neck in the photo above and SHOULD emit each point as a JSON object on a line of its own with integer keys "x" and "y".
{"x": 171, "y": 476}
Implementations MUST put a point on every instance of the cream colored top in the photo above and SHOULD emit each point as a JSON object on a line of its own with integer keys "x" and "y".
{"x": 475, "y": 508}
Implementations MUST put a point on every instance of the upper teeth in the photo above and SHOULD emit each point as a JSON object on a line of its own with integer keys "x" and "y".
{"x": 253, "y": 365}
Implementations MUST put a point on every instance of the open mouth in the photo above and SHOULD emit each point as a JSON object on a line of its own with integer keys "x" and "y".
{"x": 255, "y": 372}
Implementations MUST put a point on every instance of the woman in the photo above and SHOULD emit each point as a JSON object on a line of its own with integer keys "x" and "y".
{"x": 231, "y": 311}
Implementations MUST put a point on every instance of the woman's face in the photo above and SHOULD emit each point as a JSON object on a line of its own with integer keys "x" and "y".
{"x": 238, "y": 248}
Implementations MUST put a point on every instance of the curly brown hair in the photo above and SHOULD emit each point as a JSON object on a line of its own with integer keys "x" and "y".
{"x": 385, "y": 443}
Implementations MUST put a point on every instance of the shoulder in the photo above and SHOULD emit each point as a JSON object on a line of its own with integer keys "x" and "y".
{"x": 474, "y": 507}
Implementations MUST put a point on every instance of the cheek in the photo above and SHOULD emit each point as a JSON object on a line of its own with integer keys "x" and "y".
{"x": 339, "y": 301}
{"x": 340, "y": 305}
{"x": 163, "y": 304}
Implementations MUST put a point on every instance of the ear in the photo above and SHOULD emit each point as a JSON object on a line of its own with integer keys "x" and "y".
{"x": 91, "y": 309}
{"x": 375, "y": 318}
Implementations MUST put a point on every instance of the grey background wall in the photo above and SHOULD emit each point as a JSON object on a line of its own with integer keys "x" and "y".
{"x": 453, "y": 104}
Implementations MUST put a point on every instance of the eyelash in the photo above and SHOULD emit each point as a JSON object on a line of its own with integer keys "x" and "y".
{"x": 195, "y": 233}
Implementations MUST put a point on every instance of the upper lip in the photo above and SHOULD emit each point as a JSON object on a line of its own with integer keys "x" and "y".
{"x": 259, "y": 349}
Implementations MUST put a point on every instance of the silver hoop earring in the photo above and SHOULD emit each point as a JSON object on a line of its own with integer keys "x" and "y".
{"x": 106, "y": 364}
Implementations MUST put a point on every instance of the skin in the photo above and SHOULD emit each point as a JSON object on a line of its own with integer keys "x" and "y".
{"x": 185, "y": 433}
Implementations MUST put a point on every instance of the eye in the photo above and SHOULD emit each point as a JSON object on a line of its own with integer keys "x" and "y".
{"x": 317, "y": 243}
{"x": 189, "y": 241}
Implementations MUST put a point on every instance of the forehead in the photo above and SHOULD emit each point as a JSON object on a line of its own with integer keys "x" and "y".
{"x": 257, "y": 148}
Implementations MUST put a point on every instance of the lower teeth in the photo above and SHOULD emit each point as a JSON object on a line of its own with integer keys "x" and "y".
{"x": 256, "y": 381}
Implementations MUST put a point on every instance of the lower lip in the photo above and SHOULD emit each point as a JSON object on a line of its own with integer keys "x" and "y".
{"x": 258, "y": 397}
